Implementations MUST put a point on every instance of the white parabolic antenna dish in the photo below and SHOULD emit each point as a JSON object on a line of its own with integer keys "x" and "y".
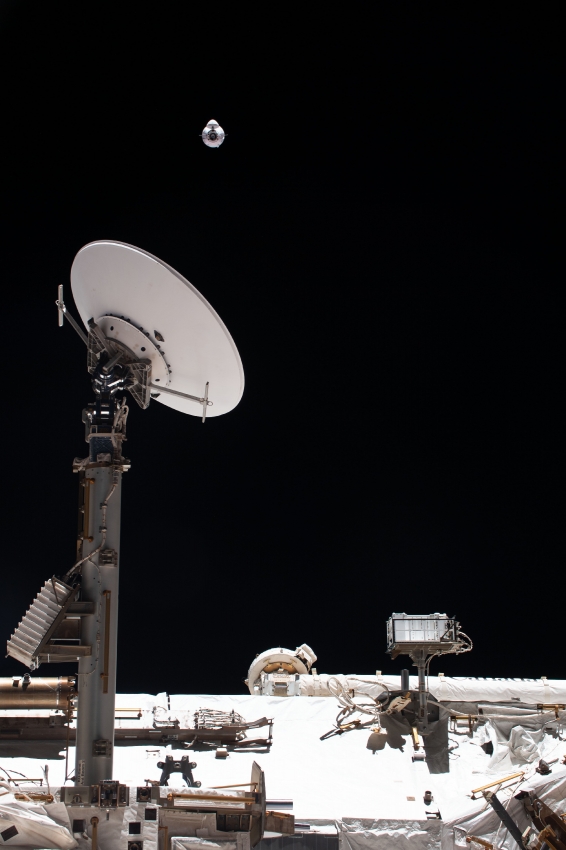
{"x": 149, "y": 307}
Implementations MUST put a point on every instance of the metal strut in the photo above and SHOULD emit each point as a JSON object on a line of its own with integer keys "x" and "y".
{"x": 505, "y": 817}
{"x": 63, "y": 313}
{"x": 204, "y": 400}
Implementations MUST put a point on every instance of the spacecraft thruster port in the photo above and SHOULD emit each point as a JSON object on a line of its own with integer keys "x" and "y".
{"x": 213, "y": 135}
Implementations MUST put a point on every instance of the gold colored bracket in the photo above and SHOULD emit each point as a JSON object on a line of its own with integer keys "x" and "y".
{"x": 104, "y": 675}
{"x": 87, "y": 484}
{"x": 215, "y": 797}
{"x": 482, "y": 788}
{"x": 481, "y": 841}
{"x": 94, "y": 824}
{"x": 555, "y": 708}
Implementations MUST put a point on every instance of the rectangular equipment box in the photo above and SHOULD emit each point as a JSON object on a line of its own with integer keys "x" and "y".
{"x": 80, "y": 795}
{"x": 406, "y": 632}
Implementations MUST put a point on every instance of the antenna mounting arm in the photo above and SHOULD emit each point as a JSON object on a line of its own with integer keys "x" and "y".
{"x": 204, "y": 400}
{"x": 63, "y": 312}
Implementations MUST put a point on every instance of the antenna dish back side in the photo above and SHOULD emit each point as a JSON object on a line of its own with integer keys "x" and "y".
{"x": 160, "y": 316}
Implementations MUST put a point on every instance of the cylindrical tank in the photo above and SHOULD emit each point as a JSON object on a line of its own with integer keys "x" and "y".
{"x": 36, "y": 692}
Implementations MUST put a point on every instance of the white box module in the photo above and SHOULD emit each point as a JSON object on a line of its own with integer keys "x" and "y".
{"x": 405, "y": 631}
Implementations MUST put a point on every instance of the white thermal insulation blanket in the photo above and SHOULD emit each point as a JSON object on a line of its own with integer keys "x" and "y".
{"x": 447, "y": 688}
{"x": 25, "y": 824}
{"x": 240, "y": 842}
{"x": 364, "y": 834}
{"x": 338, "y": 779}
{"x": 479, "y": 818}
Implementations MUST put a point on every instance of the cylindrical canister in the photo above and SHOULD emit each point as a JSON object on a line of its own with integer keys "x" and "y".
{"x": 37, "y": 692}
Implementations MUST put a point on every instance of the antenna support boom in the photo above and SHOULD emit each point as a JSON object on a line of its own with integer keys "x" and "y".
{"x": 63, "y": 312}
{"x": 204, "y": 400}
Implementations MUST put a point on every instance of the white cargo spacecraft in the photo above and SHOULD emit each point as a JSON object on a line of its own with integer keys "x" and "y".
{"x": 213, "y": 134}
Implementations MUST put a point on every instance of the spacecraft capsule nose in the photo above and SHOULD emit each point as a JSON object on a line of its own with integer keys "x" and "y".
{"x": 213, "y": 134}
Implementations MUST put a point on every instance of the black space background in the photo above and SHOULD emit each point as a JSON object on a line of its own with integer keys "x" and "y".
{"x": 380, "y": 233}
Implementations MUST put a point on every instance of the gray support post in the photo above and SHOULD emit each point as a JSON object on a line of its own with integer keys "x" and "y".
{"x": 97, "y": 673}
{"x": 505, "y": 817}
{"x": 419, "y": 660}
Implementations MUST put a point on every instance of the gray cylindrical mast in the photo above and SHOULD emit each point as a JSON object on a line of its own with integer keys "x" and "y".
{"x": 99, "y": 585}
{"x": 98, "y": 559}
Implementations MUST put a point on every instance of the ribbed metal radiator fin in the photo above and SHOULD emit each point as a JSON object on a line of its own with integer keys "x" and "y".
{"x": 39, "y": 622}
